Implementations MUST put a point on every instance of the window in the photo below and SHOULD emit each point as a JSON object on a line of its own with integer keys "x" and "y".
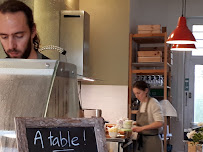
{"x": 197, "y": 31}
{"x": 198, "y": 97}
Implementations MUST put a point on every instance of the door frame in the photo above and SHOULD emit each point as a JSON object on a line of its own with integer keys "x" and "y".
{"x": 190, "y": 62}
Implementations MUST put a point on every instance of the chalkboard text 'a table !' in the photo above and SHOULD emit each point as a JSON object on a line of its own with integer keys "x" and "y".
{"x": 60, "y": 135}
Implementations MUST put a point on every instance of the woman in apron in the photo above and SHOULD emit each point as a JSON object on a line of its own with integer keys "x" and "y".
{"x": 148, "y": 120}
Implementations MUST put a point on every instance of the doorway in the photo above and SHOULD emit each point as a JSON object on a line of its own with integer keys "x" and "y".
{"x": 193, "y": 104}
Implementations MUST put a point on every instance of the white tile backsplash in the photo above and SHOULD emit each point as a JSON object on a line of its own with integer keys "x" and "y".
{"x": 111, "y": 99}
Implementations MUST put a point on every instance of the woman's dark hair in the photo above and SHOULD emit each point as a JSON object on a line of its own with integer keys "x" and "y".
{"x": 13, "y": 6}
{"x": 142, "y": 85}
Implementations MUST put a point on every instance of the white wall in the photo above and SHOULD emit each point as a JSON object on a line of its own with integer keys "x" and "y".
{"x": 111, "y": 99}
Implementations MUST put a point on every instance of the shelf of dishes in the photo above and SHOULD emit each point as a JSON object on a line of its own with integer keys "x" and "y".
{"x": 153, "y": 80}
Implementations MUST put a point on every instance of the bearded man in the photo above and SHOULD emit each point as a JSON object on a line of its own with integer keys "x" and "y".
{"x": 18, "y": 34}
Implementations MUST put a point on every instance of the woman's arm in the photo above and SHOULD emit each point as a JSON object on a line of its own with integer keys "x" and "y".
{"x": 154, "y": 125}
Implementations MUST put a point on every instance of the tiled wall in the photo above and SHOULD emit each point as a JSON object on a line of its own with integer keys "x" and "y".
{"x": 111, "y": 99}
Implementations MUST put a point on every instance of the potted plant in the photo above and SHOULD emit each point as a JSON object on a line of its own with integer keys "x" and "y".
{"x": 196, "y": 138}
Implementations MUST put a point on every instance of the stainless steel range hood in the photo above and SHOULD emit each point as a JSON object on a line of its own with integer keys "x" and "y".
{"x": 74, "y": 38}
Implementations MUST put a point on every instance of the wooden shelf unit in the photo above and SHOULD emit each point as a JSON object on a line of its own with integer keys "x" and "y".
{"x": 152, "y": 68}
{"x": 149, "y": 38}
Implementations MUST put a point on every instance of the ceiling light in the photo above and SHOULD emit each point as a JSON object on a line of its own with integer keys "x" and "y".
{"x": 183, "y": 47}
{"x": 181, "y": 34}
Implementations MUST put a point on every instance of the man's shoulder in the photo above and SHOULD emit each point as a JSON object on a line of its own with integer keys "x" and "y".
{"x": 44, "y": 57}
{"x": 41, "y": 56}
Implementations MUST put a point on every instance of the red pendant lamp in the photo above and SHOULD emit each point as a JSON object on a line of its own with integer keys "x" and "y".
{"x": 181, "y": 35}
{"x": 183, "y": 47}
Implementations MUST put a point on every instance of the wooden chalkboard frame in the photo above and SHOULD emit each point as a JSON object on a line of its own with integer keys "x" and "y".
{"x": 21, "y": 123}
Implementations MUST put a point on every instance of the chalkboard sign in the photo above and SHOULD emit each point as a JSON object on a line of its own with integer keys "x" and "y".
{"x": 60, "y": 135}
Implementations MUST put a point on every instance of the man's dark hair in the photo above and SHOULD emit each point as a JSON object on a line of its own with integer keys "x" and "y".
{"x": 13, "y": 6}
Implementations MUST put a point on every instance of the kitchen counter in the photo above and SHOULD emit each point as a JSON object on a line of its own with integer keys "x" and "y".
{"x": 122, "y": 142}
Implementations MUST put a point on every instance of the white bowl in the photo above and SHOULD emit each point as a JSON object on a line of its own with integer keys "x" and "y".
{"x": 127, "y": 124}
{"x": 113, "y": 134}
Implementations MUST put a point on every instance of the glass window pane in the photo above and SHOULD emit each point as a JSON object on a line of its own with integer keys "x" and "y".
{"x": 197, "y": 31}
{"x": 197, "y": 28}
{"x": 198, "y": 95}
{"x": 198, "y": 35}
{"x": 198, "y": 52}
{"x": 199, "y": 43}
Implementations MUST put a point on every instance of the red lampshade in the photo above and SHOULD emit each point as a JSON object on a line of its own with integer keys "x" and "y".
{"x": 183, "y": 47}
{"x": 181, "y": 35}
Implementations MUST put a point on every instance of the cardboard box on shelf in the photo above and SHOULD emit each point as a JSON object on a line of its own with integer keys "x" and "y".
{"x": 149, "y": 56}
{"x": 149, "y": 53}
{"x": 149, "y": 59}
{"x": 145, "y": 29}
{"x": 151, "y": 48}
{"x": 148, "y": 31}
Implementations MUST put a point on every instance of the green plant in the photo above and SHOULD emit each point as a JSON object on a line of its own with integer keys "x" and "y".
{"x": 196, "y": 135}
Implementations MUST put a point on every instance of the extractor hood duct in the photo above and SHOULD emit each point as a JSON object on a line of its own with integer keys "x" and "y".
{"x": 74, "y": 38}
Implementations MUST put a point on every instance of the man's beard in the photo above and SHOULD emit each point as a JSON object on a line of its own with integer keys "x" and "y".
{"x": 26, "y": 53}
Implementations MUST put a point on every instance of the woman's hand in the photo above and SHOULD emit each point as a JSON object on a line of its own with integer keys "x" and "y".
{"x": 137, "y": 129}
{"x": 154, "y": 125}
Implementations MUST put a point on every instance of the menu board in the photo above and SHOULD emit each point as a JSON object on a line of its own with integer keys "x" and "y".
{"x": 54, "y": 135}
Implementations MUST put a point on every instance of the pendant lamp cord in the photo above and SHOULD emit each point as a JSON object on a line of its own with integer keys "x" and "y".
{"x": 184, "y": 8}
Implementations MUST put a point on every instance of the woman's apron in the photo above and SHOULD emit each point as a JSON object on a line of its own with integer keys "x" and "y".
{"x": 148, "y": 140}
